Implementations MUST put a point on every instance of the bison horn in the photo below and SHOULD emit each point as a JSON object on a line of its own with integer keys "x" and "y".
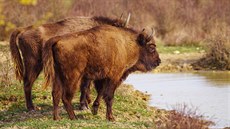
{"x": 121, "y": 16}
{"x": 150, "y": 36}
{"x": 143, "y": 30}
{"x": 127, "y": 20}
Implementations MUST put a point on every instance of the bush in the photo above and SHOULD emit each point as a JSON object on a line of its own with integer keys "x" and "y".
{"x": 184, "y": 117}
{"x": 218, "y": 49}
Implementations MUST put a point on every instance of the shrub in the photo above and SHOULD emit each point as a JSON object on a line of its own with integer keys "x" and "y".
{"x": 218, "y": 49}
{"x": 183, "y": 117}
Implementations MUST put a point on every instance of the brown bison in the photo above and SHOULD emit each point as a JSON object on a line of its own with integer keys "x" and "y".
{"x": 105, "y": 53}
{"x": 29, "y": 47}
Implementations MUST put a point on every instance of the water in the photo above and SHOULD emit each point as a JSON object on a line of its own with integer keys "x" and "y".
{"x": 207, "y": 91}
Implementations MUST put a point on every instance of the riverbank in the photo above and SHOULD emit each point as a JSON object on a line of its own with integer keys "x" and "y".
{"x": 131, "y": 110}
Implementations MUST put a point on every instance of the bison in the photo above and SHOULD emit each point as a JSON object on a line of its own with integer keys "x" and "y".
{"x": 27, "y": 43}
{"x": 104, "y": 53}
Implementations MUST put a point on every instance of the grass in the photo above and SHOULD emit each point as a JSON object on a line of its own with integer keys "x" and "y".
{"x": 5, "y": 65}
{"x": 130, "y": 108}
{"x": 162, "y": 49}
{"x": 3, "y": 47}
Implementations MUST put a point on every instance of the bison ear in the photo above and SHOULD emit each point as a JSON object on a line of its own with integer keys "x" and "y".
{"x": 141, "y": 40}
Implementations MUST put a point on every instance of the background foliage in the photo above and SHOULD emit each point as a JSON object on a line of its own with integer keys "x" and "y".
{"x": 178, "y": 22}
{"x": 18, "y": 13}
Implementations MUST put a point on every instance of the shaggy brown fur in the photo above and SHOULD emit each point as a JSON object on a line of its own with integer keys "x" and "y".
{"x": 104, "y": 53}
{"x": 30, "y": 40}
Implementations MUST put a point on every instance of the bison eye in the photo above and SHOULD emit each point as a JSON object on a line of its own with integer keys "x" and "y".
{"x": 152, "y": 48}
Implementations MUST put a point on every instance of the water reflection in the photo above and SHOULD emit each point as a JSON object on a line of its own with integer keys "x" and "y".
{"x": 216, "y": 78}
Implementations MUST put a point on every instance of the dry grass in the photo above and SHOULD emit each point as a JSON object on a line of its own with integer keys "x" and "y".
{"x": 183, "y": 117}
{"x": 218, "y": 53}
{"x": 178, "y": 22}
{"x": 178, "y": 62}
{"x": 6, "y": 67}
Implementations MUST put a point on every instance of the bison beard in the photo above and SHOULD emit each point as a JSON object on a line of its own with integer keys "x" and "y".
{"x": 105, "y": 53}
{"x": 30, "y": 40}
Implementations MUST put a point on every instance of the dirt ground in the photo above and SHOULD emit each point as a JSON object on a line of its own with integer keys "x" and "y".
{"x": 178, "y": 62}
{"x": 4, "y": 43}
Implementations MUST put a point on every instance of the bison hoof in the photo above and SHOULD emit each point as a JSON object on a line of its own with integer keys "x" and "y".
{"x": 94, "y": 110}
{"x": 57, "y": 118}
{"x": 110, "y": 119}
{"x": 84, "y": 107}
{"x": 31, "y": 108}
{"x": 72, "y": 118}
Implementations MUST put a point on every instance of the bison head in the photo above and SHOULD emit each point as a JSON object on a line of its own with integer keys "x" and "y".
{"x": 149, "y": 57}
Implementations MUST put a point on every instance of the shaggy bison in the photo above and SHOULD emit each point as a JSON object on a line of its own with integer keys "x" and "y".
{"x": 26, "y": 48}
{"x": 104, "y": 53}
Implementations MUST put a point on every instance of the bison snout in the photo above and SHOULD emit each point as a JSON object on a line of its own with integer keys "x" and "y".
{"x": 158, "y": 62}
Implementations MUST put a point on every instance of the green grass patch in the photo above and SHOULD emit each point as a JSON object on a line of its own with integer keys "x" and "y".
{"x": 130, "y": 110}
{"x": 178, "y": 49}
{"x": 4, "y": 48}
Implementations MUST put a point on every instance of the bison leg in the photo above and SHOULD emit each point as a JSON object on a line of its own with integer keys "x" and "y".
{"x": 108, "y": 97}
{"x": 67, "y": 97}
{"x": 99, "y": 85}
{"x": 56, "y": 94}
{"x": 32, "y": 66}
{"x": 88, "y": 98}
{"x": 85, "y": 94}
{"x": 30, "y": 75}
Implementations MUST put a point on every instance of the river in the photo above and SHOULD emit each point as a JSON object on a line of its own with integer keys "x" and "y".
{"x": 209, "y": 92}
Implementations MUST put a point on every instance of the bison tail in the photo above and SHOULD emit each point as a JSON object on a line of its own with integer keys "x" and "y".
{"x": 48, "y": 62}
{"x": 15, "y": 54}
